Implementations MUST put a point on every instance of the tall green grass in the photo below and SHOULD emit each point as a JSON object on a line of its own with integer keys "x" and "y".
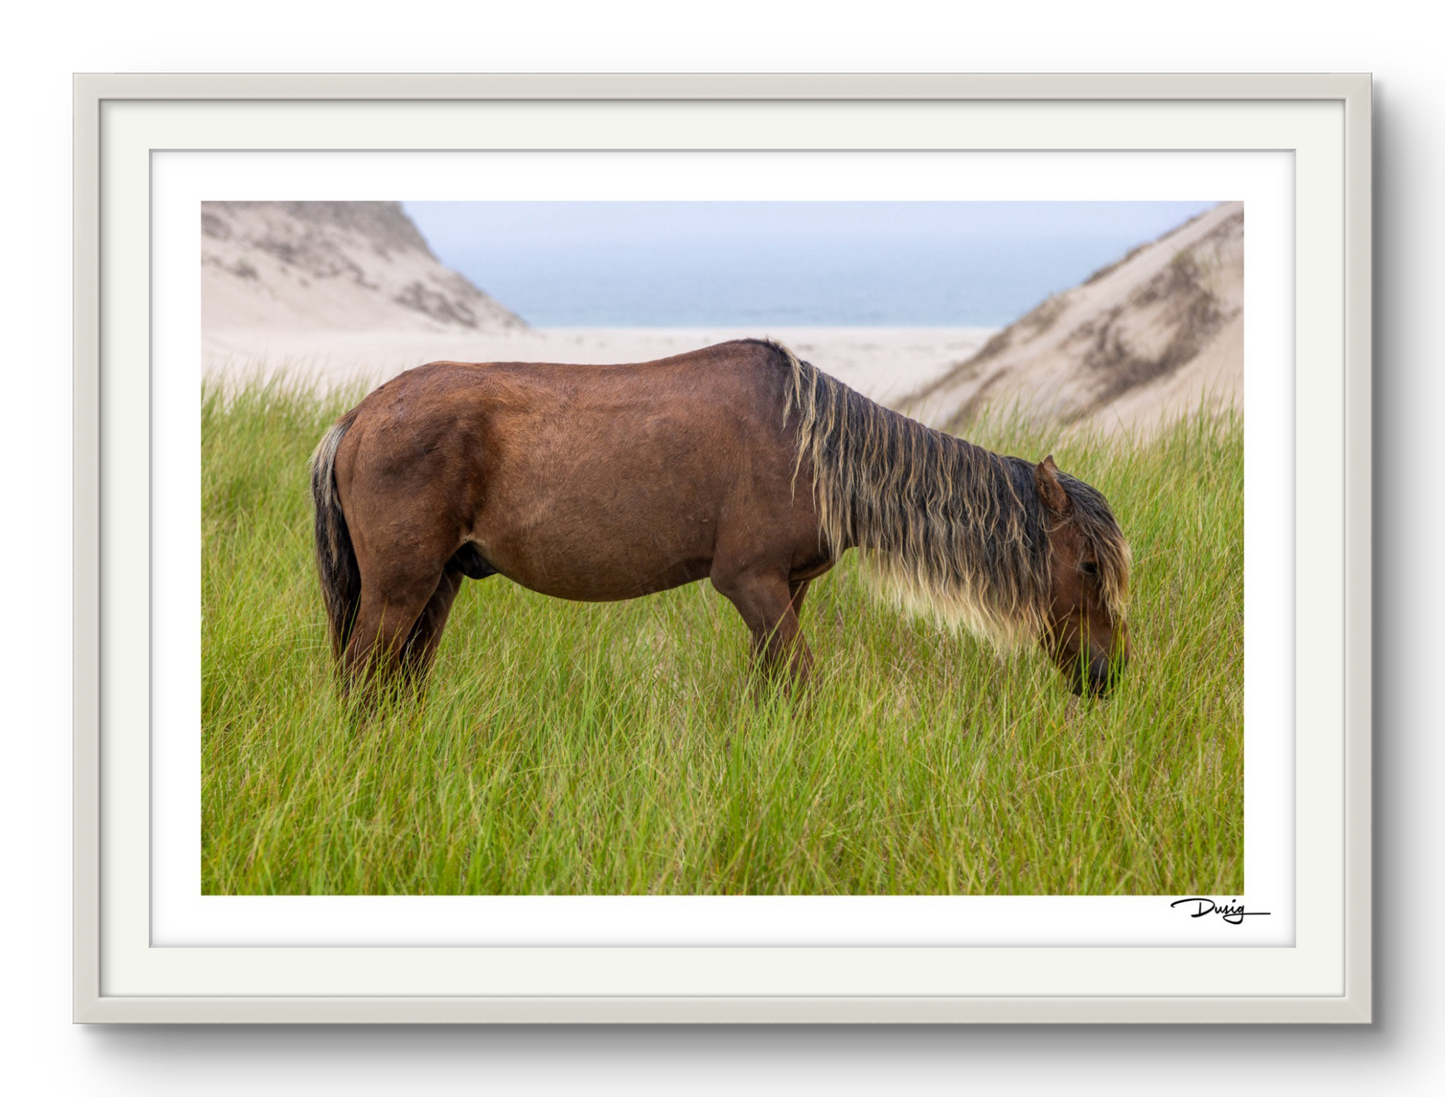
{"x": 624, "y": 748}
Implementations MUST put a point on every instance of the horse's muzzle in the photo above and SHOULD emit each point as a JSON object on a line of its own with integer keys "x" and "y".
{"x": 1100, "y": 676}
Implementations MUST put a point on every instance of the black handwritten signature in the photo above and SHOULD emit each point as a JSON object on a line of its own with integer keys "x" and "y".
{"x": 1233, "y": 913}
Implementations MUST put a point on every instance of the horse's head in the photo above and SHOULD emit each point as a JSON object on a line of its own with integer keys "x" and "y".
{"x": 1084, "y": 630}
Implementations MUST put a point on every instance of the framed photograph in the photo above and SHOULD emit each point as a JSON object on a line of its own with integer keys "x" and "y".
{"x": 455, "y": 456}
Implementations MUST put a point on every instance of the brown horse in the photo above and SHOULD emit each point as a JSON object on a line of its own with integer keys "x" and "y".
{"x": 737, "y": 463}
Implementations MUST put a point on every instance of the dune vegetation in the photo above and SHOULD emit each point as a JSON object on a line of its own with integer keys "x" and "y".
{"x": 625, "y": 748}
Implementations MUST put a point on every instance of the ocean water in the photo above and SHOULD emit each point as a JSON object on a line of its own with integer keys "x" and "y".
{"x": 784, "y": 264}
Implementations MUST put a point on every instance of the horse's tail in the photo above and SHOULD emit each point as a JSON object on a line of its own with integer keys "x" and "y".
{"x": 335, "y": 558}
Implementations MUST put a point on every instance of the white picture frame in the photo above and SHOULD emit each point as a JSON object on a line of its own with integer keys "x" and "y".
{"x": 122, "y": 120}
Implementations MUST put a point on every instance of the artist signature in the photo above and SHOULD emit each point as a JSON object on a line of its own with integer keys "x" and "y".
{"x": 1233, "y": 913}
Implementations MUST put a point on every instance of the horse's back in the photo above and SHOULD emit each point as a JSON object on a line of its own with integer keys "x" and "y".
{"x": 742, "y": 376}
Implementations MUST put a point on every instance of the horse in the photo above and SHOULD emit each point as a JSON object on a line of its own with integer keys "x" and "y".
{"x": 739, "y": 463}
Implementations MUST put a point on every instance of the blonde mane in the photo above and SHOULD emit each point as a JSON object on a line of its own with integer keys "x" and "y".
{"x": 946, "y": 529}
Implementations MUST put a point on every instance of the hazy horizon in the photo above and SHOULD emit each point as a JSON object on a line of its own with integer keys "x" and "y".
{"x": 824, "y": 264}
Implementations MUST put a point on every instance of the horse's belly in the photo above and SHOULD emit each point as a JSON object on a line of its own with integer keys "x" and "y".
{"x": 606, "y": 585}
{"x": 594, "y": 573}
{"x": 599, "y": 546}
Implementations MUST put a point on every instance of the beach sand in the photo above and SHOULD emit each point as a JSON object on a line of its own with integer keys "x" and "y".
{"x": 886, "y": 364}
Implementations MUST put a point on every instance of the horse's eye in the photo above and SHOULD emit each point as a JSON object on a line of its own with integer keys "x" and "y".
{"x": 1088, "y": 567}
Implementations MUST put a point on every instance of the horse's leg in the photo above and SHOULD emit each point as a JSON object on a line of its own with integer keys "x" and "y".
{"x": 766, "y": 602}
{"x": 426, "y": 634}
{"x": 798, "y": 589}
{"x": 390, "y": 608}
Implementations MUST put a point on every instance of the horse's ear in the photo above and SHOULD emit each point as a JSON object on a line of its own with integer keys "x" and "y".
{"x": 1046, "y": 483}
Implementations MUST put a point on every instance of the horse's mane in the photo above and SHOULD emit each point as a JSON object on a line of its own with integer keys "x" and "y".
{"x": 947, "y": 528}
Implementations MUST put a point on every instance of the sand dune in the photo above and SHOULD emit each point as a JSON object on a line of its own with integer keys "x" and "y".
{"x": 300, "y": 267}
{"x": 1155, "y": 334}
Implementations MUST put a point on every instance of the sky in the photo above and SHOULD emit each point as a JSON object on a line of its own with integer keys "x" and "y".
{"x": 636, "y": 264}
